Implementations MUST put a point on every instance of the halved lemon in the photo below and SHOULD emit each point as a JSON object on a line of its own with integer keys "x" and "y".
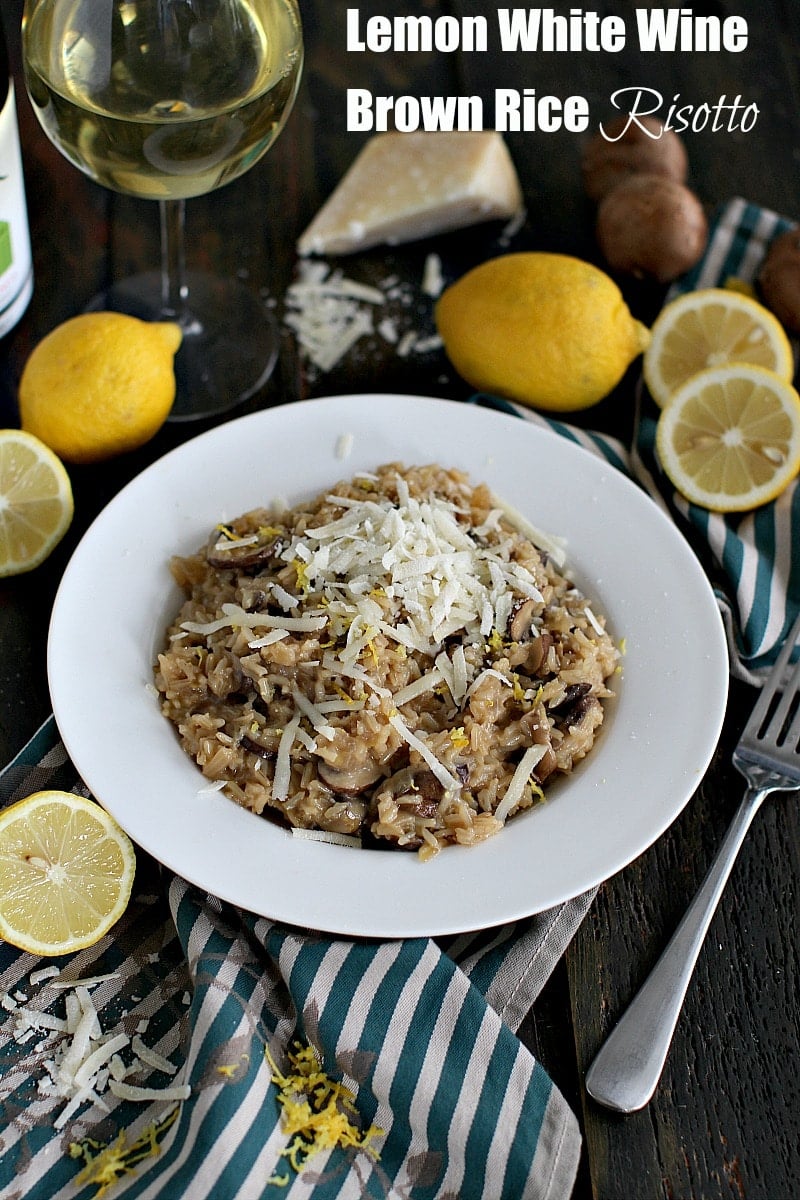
{"x": 712, "y": 327}
{"x": 35, "y": 501}
{"x": 66, "y": 873}
{"x": 729, "y": 439}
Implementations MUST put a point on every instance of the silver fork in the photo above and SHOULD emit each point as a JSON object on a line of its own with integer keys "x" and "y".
{"x": 627, "y": 1069}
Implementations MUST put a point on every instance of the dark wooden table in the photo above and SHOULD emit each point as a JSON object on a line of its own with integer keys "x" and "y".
{"x": 724, "y": 1122}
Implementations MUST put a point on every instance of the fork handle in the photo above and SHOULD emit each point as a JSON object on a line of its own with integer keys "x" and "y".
{"x": 627, "y": 1069}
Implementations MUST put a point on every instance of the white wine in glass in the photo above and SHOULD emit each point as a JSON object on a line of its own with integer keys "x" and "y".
{"x": 165, "y": 100}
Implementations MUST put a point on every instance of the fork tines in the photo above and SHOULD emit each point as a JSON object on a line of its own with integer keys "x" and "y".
{"x": 775, "y": 719}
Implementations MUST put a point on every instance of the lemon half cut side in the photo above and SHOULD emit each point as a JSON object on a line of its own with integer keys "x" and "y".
{"x": 36, "y": 505}
{"x": 712, "y": 327}
{"x": 66, "y": 873}
{"x": 729, "y": 439}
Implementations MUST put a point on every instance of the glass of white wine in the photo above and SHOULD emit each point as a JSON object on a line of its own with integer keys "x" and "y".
{"x": 169, "y": 99}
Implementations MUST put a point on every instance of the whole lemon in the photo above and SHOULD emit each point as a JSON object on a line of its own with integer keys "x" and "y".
{"x": 547, "y": 330}
{"x": 99, "y": 384}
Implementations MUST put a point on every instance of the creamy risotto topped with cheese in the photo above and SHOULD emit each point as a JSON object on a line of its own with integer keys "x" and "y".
{"x": 401, "y": 662}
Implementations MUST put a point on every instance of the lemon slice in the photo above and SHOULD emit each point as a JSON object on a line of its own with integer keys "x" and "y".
{"x": 35, "y": 501}
{"x": 712, "y": 327}
{"x": 729, "y": 439}
{"x": 66, "y": 873}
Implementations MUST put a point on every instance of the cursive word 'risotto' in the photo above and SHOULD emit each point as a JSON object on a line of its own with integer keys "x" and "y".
{"x": 400, "y": 661}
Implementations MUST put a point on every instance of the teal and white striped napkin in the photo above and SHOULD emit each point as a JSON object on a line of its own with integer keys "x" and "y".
{"x": 753, "y": 559}
{"x": 421, "y": 1033}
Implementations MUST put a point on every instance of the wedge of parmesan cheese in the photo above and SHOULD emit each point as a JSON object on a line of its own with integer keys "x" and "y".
{"x": 405, "y": 186}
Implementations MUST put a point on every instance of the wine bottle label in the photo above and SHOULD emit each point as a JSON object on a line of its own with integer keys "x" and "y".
{"x": 16, "y": 267}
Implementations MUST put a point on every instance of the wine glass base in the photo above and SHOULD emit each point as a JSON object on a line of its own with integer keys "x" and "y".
{"x": 230, "y": 339}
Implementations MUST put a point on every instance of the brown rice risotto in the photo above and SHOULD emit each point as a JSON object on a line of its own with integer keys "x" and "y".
{"x": 400, "y": 661}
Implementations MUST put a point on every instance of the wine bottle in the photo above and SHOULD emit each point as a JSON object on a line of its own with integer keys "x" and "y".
{"x": 16, "y": 266}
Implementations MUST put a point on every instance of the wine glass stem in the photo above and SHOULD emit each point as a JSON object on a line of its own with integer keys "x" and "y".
{"x": 174, "y": 291}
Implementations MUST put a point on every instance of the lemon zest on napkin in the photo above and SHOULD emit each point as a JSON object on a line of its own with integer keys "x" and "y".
{"x": 315, "y": 1111}
{"x": 232, "y": 1070}
{"x": 106, "y": 1163}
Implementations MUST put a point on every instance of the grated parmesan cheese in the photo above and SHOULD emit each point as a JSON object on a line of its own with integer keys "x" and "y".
{"x": 283, "y": 766}
{"x": 593, "y": 621}
{"x": 129, "y": 1091}
{"x": 432, "y": 278}
{"x": 80, "y": 1060}
{"x": 448, "y": 781}
{"x": 277, "y": 635}
{"x": 238, "y": 618}
{"x": 514, "y": 791}
{"x": 37, "y": 977}
{"x": 151, "y": 1057}
{"x": 444, "y": 581}
{"x": 425, "y": 683}
{"x": 326, "y": 835}
{"x": 553, "y": 546}
{"x": 329, "y": 314}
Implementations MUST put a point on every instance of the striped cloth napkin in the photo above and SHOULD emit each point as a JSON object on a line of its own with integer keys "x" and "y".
{"x": 753, "y": 559}
{"x": 421, "y": 1033}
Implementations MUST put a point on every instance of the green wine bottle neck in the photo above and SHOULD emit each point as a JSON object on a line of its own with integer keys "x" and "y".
{"x": 16, "y": 267}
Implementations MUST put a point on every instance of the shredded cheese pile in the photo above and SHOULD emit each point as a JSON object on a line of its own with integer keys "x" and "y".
{"x": 329, "y": 313}
{"x": 444, "y": 581}
{"x": 80, "y": 1060}
{"x": 316, "y": 1112}
{"x": 417, "y": 553}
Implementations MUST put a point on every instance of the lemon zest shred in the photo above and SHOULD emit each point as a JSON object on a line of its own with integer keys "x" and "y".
{"x": 280, "y": 1180}
{"x": 459, "y": 738}
{"x": 229, "y": 533}
{"x": 228, "y": 1069}
{"x": 301, "y": 571}
{"x": 495, "y": 641}
{"x": 106, "y": 1163}
{"x": 315, "y": 1111}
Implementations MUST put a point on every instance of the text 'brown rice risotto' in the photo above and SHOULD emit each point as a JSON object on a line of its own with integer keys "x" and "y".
{"x": 399, "y": 661}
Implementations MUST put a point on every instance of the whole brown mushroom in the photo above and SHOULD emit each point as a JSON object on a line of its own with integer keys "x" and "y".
{"x": 779, "y": 279}
{"x": 651, "y": 226}
{"x": 626, "y": 147}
